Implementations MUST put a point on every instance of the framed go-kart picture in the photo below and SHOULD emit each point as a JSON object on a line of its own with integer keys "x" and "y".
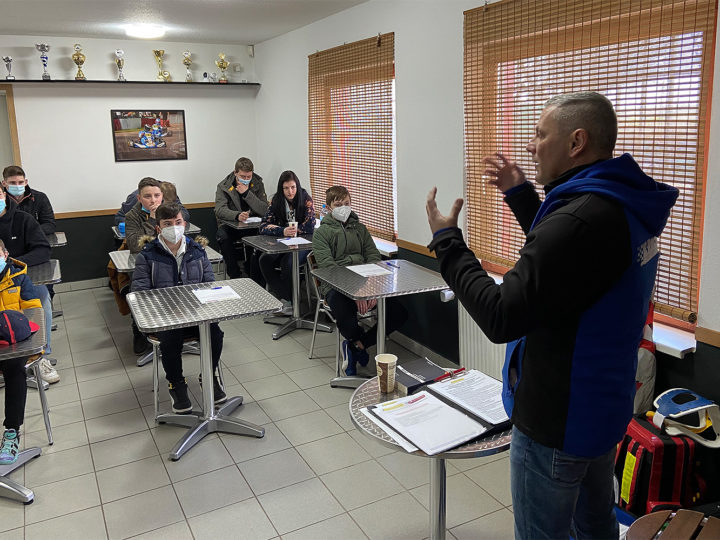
{"x": 148, "y": 135}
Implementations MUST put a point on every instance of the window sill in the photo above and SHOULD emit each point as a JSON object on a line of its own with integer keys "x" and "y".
{"x": 386, "y": 248}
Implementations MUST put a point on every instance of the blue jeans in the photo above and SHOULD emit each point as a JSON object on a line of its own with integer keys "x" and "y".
{"x": 47, "y": 308}
{"x": 556, "y": 494}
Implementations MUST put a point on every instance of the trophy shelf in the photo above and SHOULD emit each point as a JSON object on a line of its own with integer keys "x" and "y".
{"x": 174, "y": 83}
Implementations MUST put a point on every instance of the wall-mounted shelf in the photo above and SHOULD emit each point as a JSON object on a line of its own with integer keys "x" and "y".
{"x": 174, "y": 83}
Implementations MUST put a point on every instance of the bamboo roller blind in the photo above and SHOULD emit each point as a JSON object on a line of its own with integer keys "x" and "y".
{"x": 351, "y": 127}
{"x": 651, "y": 58}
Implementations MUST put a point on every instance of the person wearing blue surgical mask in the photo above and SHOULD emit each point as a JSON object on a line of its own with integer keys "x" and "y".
{"x": 29, "y": 200}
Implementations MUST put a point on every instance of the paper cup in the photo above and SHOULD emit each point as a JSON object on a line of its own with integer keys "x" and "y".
{"x": 293, "y": 224}
{"x": 385, "y": 364}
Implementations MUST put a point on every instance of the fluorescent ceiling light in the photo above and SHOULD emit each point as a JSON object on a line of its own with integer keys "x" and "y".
{"x": 145, "y": 31}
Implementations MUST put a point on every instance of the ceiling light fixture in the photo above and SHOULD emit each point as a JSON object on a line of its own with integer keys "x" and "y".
{"x": 145, "y": 31}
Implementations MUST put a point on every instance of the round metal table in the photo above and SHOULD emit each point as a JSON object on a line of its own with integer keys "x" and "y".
{"x": 368, "y": 393}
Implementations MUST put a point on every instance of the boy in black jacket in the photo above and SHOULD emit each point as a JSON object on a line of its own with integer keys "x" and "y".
{"x": 29, "y": 200}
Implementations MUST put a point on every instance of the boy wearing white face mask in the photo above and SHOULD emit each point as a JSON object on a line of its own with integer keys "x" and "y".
{"x": 341, "y": 240}
{"x": 174, "y": 259}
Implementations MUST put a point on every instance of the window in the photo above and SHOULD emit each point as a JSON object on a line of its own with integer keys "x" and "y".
{"x": 651, "y": 58}
{"x": 351, "y": 92}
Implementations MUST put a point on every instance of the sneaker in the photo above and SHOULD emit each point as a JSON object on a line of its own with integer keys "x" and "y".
{"x": 10, "y": 447}
{"x": 361, "y": 356}
{"x": 218, "y": 390}
{"x": 348, "y": 361}
{"x": 287, "y": 308}
{"x": 140, "y": 344}
{"x": 181, "y": 403}
{"x": 48, "y": 373}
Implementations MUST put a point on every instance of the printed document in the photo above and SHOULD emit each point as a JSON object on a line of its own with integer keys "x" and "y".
{"x": 367, "y": 270}
{"x": 477, "y": 393}
{"x": 427, "y": 422}
{"x": 296, "y": 241}
{"x": 407, "y": 446}
{"x": 216, "y": 294}
{"x": 253, "y": 220}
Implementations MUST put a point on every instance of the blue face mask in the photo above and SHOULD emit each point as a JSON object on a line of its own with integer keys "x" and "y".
{"x": 144, "y": 209}
{"x": 3, "y": 263}
{"x": 16, "y": 191}
{"x": 242, "y": 181}
{"x": 2, "y": 205}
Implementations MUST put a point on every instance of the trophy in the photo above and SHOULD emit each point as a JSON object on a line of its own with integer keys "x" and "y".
{"x": 223, "y": 65}
{"x": 162, "y": 75}
{"x": 79, "y": 58}
{"x": 187, "y": 61}
{"x": 8, "y": 65}
{"x": 44, "y": 48}
{"x": 120, "y": 62}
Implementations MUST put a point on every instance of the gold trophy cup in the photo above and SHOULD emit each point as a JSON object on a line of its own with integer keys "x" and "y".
{"x": 120, "y": 63}
{"x": 162, "y": 75}
{"x": 223, "y": 65}
{"x": 79, "y": 58}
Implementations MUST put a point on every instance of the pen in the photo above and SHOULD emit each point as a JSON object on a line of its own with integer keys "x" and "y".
{"x": 392, "y": 264}
{"x": 216, "y": 288}
{"x": 449, "y": 374}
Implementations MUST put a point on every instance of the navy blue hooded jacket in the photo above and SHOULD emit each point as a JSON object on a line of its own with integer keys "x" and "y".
{"x": 574, "y": 305}
{"x": 156, "y": 268}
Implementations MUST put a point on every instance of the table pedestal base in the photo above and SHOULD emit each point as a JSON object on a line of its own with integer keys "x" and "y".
{"x": 13, "y": 490}
{"x": 290, "y": 323}
{"x": 344, "y": 381}
{"x": 437, "y": 499}
{"x": 201, "y": 425}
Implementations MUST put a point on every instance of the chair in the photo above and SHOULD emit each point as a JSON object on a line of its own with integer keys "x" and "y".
{"x": 33, "y": 364}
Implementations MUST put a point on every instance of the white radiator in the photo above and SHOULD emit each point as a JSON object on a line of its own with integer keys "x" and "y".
{"x": 477, "y": 351}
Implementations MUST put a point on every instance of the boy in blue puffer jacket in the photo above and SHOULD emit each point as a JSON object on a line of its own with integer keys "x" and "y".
{"x": 173, "y": 259}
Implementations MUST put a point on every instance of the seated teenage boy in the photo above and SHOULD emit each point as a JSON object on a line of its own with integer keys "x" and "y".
{"x": 140, "y": 220}
{"x": 174, "y": 259}
{"x": 16, "y": 292}
{"x": 239, "y": 196}
{"x": 341, "y": 240}
{"x": 132, "y": 200}
{"x": 24, "y": 238}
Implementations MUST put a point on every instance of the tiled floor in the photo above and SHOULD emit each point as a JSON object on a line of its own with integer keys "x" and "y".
{"x": 312, "y": 476}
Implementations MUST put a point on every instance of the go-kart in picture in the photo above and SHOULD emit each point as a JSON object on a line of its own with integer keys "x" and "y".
{"x": 148, "y": 135}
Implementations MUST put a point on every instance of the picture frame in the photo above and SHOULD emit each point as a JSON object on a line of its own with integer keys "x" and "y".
{"x": 148, "y": 135}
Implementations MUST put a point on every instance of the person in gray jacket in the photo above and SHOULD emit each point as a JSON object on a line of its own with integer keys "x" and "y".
{"x": 239, "y": 196}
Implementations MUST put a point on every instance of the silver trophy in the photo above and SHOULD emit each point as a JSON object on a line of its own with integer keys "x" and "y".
{"x": 8, "y": 65}
{"x": 120, "y": 63}
{"x": 187, "y": 62}
{"x": 44, "y": 48}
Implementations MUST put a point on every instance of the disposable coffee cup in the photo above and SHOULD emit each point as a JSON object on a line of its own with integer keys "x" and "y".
{"x": 385, "y": 364}
{"x": 293, "y": 224}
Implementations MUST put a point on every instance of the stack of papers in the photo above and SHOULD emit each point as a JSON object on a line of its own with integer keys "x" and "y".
{"x": 294, "y": 241}
{"x": 253, "y": 220}
{"x": 367, "y": 270}
{"x": 216, "y": 294}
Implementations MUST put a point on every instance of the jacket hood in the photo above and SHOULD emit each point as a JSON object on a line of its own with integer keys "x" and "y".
{"x": 201, "y": 241}
{"x": 13, "y": 268}
{"x": 620, "y": 179}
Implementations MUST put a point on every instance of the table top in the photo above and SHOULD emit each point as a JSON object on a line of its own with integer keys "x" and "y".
{"x": 155, "y": 310}
{"x": 368, "y": 393}
{"x": 34, "y": 344}
{"x": 57, "y": 239}
{"x": 270, "y": 244}
{"x": 242, "y": 225}
{"x": 405, "y": 278}
{"x": 190, "y": 230}
{"x": 124, "y": 261}
{"x": 46, "y": 273}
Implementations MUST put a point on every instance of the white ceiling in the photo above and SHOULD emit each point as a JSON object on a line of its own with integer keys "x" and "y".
{"x": 195, "y": 21}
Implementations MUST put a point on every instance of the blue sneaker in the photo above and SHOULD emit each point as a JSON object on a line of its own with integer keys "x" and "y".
{"x": 10, "y": 447}
{"x": 348, "y": 360}
{"x": 361, "y": 356}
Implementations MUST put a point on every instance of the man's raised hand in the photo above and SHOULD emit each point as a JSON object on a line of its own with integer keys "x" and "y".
{"x": 436, "y": 220}
{"x": 506, "y": 174}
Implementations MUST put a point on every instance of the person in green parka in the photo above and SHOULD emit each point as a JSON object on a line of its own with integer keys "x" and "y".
{"x": 341, "y": 240}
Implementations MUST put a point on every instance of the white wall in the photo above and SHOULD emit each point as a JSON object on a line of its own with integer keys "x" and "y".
{"x": 65, "y": 134}
{"x": 428, "y": 64}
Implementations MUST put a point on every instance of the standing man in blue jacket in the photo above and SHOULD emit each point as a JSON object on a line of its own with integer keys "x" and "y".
{"x": 572, "y": 310}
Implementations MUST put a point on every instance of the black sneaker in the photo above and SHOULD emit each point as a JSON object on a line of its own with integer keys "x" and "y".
{"x": 140, "y": 342}
{"x": 218, "y": 391}
{"x": 181, "y": 403}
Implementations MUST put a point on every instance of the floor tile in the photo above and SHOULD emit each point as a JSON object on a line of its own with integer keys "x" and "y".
{"x": 299, "y": 505}
{"x": 338, "y": 527}
{"x": 276, "y": 348}
{"x": 269, "y": 387}
{"x": 91, "y": 372}
{"x": 255, "y": 370}
{"x": 95, "y": 356}
{"x": 341, "y": 415}
{"x": 308, "y": 427}
{"x": 207, "y": 492}
{"x": 87, "y": 524}
{"x": 58, "y": 466}
{"x": 132, "y": 478}
{"x": 12, "y": 514}
{"x": 332, "y": 453}
{"x": 121, "y": 450}
{"x": 60, "y": 415}
{"x": 295, "y": 361}
{"x": 104, "y": 385}
{"x": 411, "y": 471}
{"x": 245, "y": 448}
{"x": 176, "y": 531}
{"x": 496, "y": 526}
{"x": 325, "y": 396}
{"x": 361, "y": 484}
{"x": 245, "y": 519}
{"x": 64, "y": 437}
{"x": 206, "y": 456}
{"x": 371, "y": 445}
{"x": 141, "y": 513}
{"x": 115, "y": 425}
{"x": 312, "y": 376}
{"x": 494, "y": 478}
{"x": 289, "y": 405}
{"x": 274, "y": 471}
{"x": 124, "y": 400}
{"x": 64, "y": 497}
{"x": 166, "y": 436}
{"x": 399, "y": 517}
{"x": 99, "y": 341}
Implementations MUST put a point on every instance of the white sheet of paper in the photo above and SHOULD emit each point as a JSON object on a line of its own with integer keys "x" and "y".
{"x": 428, "y": 422}
{"x": 294, "y": 241}
{"x": 367, "y": 270}
{"x": 216, "y": 294}
{"x": 476, "y": 392}
{"x": 253, "y": 220}
{"x": 409, "y": 447}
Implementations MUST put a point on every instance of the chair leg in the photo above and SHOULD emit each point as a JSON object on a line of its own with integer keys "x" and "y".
{"x": 156, "y": 377}
{"x": 312, "y": 341}
{"x": 43, "y": 403}
{"x": 338, "y": 366}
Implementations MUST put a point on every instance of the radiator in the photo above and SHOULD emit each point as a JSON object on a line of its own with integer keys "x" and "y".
{"x": 477, "y": 351}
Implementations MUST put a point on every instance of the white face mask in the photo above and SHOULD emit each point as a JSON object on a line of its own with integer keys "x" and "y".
{"x": 173, "y": 234}
{"x": 341, "y": 213}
